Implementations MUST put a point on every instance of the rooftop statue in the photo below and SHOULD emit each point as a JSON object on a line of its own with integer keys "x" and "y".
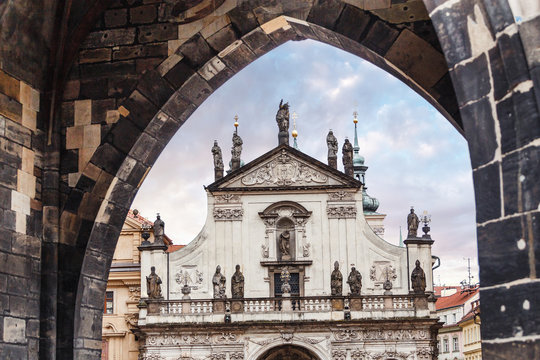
{"x": 418, "y": 279}
{"x": 355, "y": 281}
{"x": 347, "y": 152}
{"x": 336, "y": 281}
{"x": 159, "y": 230}
{"x": 412, "y": 224}
{"x": 218, "y": 161}
{"x": 218, "y": 280}
{"x": 236, "y": 151}
{"x": 332, "y": 143}
{"x": 237, "y": 284}
{"x": 282, "y": 119}
{"x": 153, "y": 284}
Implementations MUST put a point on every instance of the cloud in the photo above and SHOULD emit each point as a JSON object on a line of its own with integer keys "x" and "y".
{"x": 415, "y": 156}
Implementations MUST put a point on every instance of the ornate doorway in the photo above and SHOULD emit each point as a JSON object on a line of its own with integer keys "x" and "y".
{"x": 288, "y": 352}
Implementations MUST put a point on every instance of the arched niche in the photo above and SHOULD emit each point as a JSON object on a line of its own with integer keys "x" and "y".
{"x": 288, "y": 352}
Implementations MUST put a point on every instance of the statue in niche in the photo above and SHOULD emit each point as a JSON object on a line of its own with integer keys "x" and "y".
{"x": 237, "y": 284}
{"x": 347, "y": 152}
{"x": 285, "y": 245}
{"x": 159, "y": 230}
{"x": 282, "y": 119}
{"x": 355, "y": 281}
{"x": 412, "y": 224}
{"x": 332, "y": 143}
{"x": 236, "y": 151}
{"x": 218, "y": 161}
{"x": 336, "y": 281}
{"x": 218, "y": 280}
{"x": 153, "y": 284}
{"x": 418, "y": 279}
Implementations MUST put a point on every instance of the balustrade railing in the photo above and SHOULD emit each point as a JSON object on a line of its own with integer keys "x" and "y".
{"x": 306, "y": 304}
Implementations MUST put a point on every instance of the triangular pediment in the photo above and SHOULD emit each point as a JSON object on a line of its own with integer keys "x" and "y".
{"x": 284, "y": 167}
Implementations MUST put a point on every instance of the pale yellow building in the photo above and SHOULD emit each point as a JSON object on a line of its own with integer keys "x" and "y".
{"x": 472, "y": 341}
{"x": 124, "y": 291}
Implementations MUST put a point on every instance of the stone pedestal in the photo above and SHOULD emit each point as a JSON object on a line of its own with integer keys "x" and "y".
{"x": 235, "y": 164}
{"x": 420, "y": 303}
{"x": 153, "y": 307}
{"x": 337, "y": 304}
{"x": 186, "y": 307}
{"x": 283, "y": 137}
{"x": 286, "y": 304}
{"x": 237, "y": 306}
{"x": 356, "y": 303}
{"x": 388, "y": 303}
{"x": 219, "y": 307}
{"x": 332, "y": 162}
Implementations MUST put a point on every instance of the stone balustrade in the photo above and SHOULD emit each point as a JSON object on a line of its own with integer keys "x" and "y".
{"x": 283, "y": 309}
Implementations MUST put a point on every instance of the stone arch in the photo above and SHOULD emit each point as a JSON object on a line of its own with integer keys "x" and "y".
{"x": 98, "y": 203}
{"x": 309, "y": 351}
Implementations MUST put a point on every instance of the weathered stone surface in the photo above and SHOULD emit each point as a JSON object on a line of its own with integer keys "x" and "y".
{"x": 109, "y": 38}
{"x": 115, "y": 18}
{"x": 487, "y": 193}
{"x": 196, "y": 51}
{"x": 9, "y": 86}
{"x": 479, "y": 128}
{"x": 325, "y": 13}
{"x": 10, "y": 108}
{"x": 95, "y": 55}
{"x": 353, "y": 22}
{"x": 14, "y": 330}
{"x": 515, "y": 66}
{"x": 258, "y": 41}
{"x": 94, "y": 88}
{"x": 237, "y": 56}
{"x": 222, "y": 38}
{"x": 110, "y": 68}
{"x": 179, "y": 73}
{"x": 123, "y": 135}
{"x": 380, "y": 37}
{"x": 472, "y": 80}
{"x": 138, "y": 51}
{"x": 507, "y": 350}
{"x": 529, "y": 32}
{"x": 196, "y": 89}
{"x": 143, "y": 14}
{"x": 520, "y": 186}
{"x": 140, "y": 108}
{"x": 157, "y": 32}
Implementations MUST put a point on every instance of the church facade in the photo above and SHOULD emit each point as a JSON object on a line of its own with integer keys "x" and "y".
{"x": 287, "y": 266}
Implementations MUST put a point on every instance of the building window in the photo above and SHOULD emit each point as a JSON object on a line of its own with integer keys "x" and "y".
{"x": 446, "y": 347}
{"x": 455, "y": 344}
{"x": 455, "y": 318}
{"x": 108, "y": 306}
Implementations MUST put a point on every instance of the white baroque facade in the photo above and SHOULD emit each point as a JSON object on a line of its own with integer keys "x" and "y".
{"x": 321, "y": 208}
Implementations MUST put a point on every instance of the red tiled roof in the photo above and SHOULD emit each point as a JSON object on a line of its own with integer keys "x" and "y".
{"x": 437, "y": 290}
{"x": 470, "y": 315}
{"x": 173, "y": 248}
{"x": 456, "y": 299}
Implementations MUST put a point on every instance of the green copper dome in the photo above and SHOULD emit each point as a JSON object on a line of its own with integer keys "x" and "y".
{"x": 370, "y": 204}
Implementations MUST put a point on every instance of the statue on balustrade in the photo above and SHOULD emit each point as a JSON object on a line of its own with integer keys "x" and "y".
{"x": 237, "y": 284}
{"x": 285, "y": 245}
{"x": 159, "y": 230}
{"x": 218, "y": 280}
{"x": 355, "y": 281}
{"x": 418, "y": 279}
{"x": 347, "y": 152}
{"x": 153, "y": 284}
{"x": 412, "y": 224}
{"x": 282, "y": 119}
{"x": 218, "y": 161}
{"x": 332, "y": 143}
{"x": 336, "y": 281}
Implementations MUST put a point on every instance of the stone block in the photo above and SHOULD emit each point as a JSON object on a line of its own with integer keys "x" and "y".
{"x": 155, "y": 88}
{"x": 122, "y": 194}
{"x": 115, "y": 17}
{"x": 85, "y": 155}
{"x": 94, "y": 88}
{"x": 179, "y": 73}
{"x": 222, "y": 38}
{"x": 20, "y": 202}
{"x": 157, "y": 32}
{"x": 100, "y": 109}
{"x": 519, "y": 120}
{"x": 216, "y": 25}
{"x": 237, "y": 56}
{"x": 106, "y": 38}
{"x": 141, "y": 110}
{"x": 515, "y": 65}
{"x": 500, "y": 84}
{"x": 83, "y": 112}
{"x": 137, "y": 51}
{"x": 18, "y": 134}
{"x": 8, "y": 176}
{"x": 487, "y": 193}
{"x": 29, "y": 118}
{"x": 516, "y": 306}
{"x": 529, "y": 32}
{"x": 71, "y": 90}
{"x": 380, "y": 37}
{"x": 27, "y": 164}
{"x": 26, "y": 184}
{"x": 74, "y": 137}
{"x": 472, "y": 80}
{"x": 110, "y": 159}
{"x": 117, "y": 68}
{"x": 479, "y": 127}
{"x": 243, "y": 19}
{"x": 95, "y": 55}
{"x": 123, "y": 135}
{"x": 452, "y": 30}
{"x": 121, "y": 86}
{"x": 258, "y": 41}
{"x": 326, "y": 36}
{"x": 10, "y": 108}
{"x": 509, "y": 349}
{"x": 29, "y": 96}
{"x": 353, "y": 22}
{"x": 521, "y": 171}
{"x": 499, "y": 14}
{"x": 417, "y": 58}
{"x": 196, "y": 89}
{"x": 91, "y": 136}
{"x": 196, "y": 51}
{"x": 143, "y": 14}
{"x": 503, "y": 259}
{"x": 325, "y": 13}
{"x": 9, "y": 86}
{"x": 14, "y": 330}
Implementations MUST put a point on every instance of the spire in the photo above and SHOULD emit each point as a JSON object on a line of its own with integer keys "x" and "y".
{"x": 401, "y": 238}
{"x": 294, "y": 132}
{"x": 236, "y": 150}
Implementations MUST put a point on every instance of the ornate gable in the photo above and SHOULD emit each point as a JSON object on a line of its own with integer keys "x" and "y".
{"x": 284, "y": 167}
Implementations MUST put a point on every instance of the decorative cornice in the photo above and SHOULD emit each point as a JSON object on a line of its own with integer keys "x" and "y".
{"x": 228, "y": 214}
{"x": 341, "y": 212}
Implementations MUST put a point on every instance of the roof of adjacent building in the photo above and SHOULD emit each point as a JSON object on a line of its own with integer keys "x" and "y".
{"x": 144, "y": 221}
{"x": 456, "y": 299}
{"x": 437, "y": 290}
{"x": 172, "y": 248}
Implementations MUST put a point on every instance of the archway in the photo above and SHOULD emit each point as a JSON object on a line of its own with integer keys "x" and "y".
{"x": 288, "y": 352}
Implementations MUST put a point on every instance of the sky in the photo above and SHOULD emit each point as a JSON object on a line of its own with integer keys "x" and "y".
{"x": 415, "y": 156}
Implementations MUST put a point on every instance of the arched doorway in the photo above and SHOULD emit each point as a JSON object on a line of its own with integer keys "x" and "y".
{"x": 288, "y": 352}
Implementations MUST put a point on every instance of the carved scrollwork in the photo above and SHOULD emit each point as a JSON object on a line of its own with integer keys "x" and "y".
{"x": 218, "y": 356}
{"x": 239, "y": 355}
{"x": 154, "y": 357}
{"x": 131, "y": 319}
{"x": 387, "y": 335}
{"x": 341, "y": 212}
{"x": 134, "y": 293}
{"x": 339, "y": 355}
{"x": 340, "y": 196}
{"x": 358, "y": 354}
{"x": 224, "y": 214}
{"x": 284, "y": 171}
{"x": 226, "y": 338}
{"x": 227, "y": 198}
{"x": 389, "y": 354}
{"x": 346, "y": 335}
{"x": 381, "y": 271}
{"x": 425, "y": 353}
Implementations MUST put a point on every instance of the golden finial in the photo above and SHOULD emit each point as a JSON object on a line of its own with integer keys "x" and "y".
{"x": 235, "y": 121}
{"x": 294, "y": 132}
{"x": 355, "y": 114}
